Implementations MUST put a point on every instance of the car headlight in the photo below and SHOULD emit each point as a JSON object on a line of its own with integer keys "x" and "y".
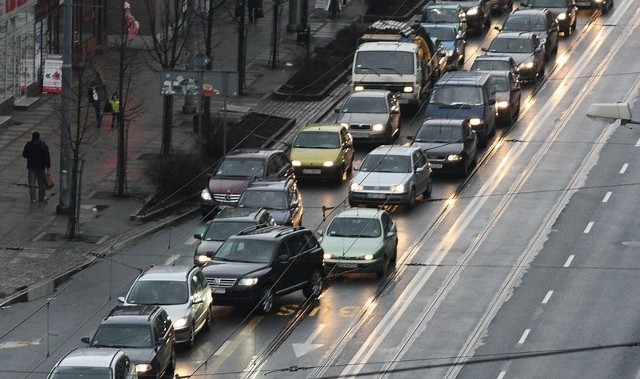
{"x": 472, "y": 12}
{"x": 454, "y": 157}
{"x": 599, "y": 1}
{"x": 143, "y": 367}
{"x": 397, "y": 188}
{"x": 377, "y": 127}
{"x": 562, "y": 16}
{"x": 205, "y": 195}
{"x": 296, "y": 163}
{"x": 407, "y": 89}
{"x": 502, "y": 104}
{"x": 358, "y": 88}
{"x": 475, "y": 121}
{"x": 448, "y": 53}
{"x": 180, "y": 323}
{"x": 203, "y": 258}
{"x": 368, "y": 257}
{"x": 526, "y": 65}
{"x": 327, "y": 256}
{"x": 248, "y": 281}
{"x": 328, "y": 163}
{"x": 356, "y": 187}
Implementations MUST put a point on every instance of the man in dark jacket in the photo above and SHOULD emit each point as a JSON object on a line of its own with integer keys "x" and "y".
{"x": 38, "y": 160}
{"x": 98, "y": 97}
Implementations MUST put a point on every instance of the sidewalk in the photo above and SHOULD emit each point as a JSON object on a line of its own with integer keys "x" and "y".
{"x": 34, "y": 256}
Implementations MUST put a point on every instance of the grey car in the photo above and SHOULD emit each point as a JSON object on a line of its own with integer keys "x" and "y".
{"x": 391, "y": 174}
{"x": 539, "y": 21}
{"x": 508, "y": 95}
{"x": 371, "y": 116}
{"x": 525, "y": 50}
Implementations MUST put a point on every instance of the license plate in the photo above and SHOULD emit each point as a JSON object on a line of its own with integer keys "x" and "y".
{"x": 312, "y": 171}
{"x": 359, "y": 135}
{"x": 376, "y": 195}
{"x": 218, "y": 290}
{"x": 347, "y": 265}
{"x": 436, "y": 165}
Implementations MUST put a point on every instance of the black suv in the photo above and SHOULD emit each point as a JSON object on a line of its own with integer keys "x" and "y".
{"x": 539, "y": 21}
{"x": 254, "y": 266}
{"x": 144, "y": 333}
{"x": 478, "y": 12}
{"x": 565, "y": 12}
{"x": 236, "y": 170}
{"x": 282, "y": 198}
{"x": 228, "y": 221}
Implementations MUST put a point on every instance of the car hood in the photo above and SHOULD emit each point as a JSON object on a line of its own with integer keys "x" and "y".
{"x": 140, "y": 355}
{"x": 228, "y": 184}
{"x": 306, "y": 156}
{"x": 517, "y": 57}
{"x": 381, "y": 179}
{"x": 177, "y": 311}
{"x": 232, "y": 269}
{"x": 502, "y": 95}
{"x": 351, "y": 247}
{"x": 363, "y": 118}
{"x": 206, "y": 246}
{"x": 439, "y": 111}
{"x": 280, "y": 216}
{"x": 440, "y": 148}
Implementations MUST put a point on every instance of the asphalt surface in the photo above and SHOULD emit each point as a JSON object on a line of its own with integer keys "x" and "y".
{"x": 34, "y": 255}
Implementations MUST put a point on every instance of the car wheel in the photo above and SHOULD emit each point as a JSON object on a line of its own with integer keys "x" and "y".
{"x": 574, "y": 24}
{"x": 411, "y": 202}
{"x": 427, "y": 191}
{"x": 192, "y": 337}
{"x": 266, "y": 300}
{"x": 541, "y": 73}
{"x": 314, "y": 287}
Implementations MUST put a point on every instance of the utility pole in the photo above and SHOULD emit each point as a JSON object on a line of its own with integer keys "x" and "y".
{"x": 241, "y": 48}
{"x": 189, "y": 106}
{"x": 66, "y": 105}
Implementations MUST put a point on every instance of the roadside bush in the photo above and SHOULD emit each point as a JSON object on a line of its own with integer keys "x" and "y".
{"x": 178, "y": 173}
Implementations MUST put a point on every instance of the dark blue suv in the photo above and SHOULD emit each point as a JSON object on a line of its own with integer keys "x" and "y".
{"x": 465, "y": 95}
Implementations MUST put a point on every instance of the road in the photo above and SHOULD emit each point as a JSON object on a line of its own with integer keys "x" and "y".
{"x": 536, "y": 252}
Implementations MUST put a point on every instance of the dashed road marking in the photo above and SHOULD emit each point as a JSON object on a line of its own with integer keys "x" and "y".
{"x": 547, "y": 297}
{"x": 524, "y": 336}
{"x": 567, "y": 263}
{"x": 588, "y": 228}
{"x": 190, "y": 241}
{"x": 606, "y": 197}
{"x": 222, "y": 347}
{"x": 624, "y": 168}
{"x": 501, "y": 374}
{"x": 638, "y": 142}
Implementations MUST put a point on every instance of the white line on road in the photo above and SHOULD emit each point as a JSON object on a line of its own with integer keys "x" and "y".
{"x": 567, "y": 263}
{"x": 624, "y": 168}
{"x": 524, "y": 336}
{"x": 501, "y": 375}
{"x": 190, "y": 241}
{"x": 222, "y": 347}
{"x": 547, "y": 297}
{"x": 606, "y": 197}
{"x": 638, "y": 142}
{"x": 588, "y": 228}
{"x": 171, "y": 259}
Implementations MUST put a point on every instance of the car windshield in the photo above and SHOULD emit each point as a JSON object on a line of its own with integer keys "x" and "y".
{"x": 264, "y": 198}
{"x": 386, "y": 163}
{"x": 526, "y": 23}
{"x": 546, "y": 4}
{"x": 220, "y": 230}
{"x": 247, "y": 251}
{"x": 442, "y": 34}
{"x": 490, "y": 65}
{"x": 241, "y": 167}
{"x": 317, "y": 140}
{"x": 440, "y": 15}
{"x": 384, "y": 62}
{"x": 500, "y": 83}
{"x": 362, "y": 104}
{"x": 354, "y": 227}
{"x": 439, "y": 134}
{"x": 457, "y": 95}
{"x": 136, "y": 336}
{"x": 511, "y": 45}
{"x": 159, "y": 292}
{"x": 81, "y": 372}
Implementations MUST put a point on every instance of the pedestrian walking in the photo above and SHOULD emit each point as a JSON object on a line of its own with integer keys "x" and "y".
{"x": 115, "y": 108}
{"x": 334, "y": 8}
{"x": 98, "y": 97}
{"x": 38, "y": 161}
{"x": 254, "y": 7}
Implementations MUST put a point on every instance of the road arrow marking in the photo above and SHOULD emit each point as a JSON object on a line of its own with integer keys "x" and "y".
{"x": 300, "y": 349}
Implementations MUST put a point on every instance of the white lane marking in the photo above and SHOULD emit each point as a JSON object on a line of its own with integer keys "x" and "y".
{"x": 638, "y": 142}
{"x": 171, "y": 259}
{"x": 624, "y": 168}
{"x": 567, "y": 263}
{"x": 606, "y": 197}
{"x": 501, "y": 375}
{"x": 190, "y": 241}
{"x": 300, "y": 349}
{"x": 16, "y": 344}
{"x": 547, "y": 297}
{"x": 524, "y": 336}
{"x": 222, "y": 347}
{"x": 588, "y": 228}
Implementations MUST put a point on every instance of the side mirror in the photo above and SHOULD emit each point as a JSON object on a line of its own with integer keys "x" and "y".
{"x": 485, "y": 49}
{"x": 419, "y": 170}
{"x": 498, "y": 28}
{"x": 197, "y": 236}
{"x": 319, "y": 232}
{"x": 121, "y": 299}
{"x": 337, "y": 110}
{"x": 86, "y": 339}
{"x": 390, "y": 234}
{"x": 197, "y": 301}
{"x": 356, "y": 168}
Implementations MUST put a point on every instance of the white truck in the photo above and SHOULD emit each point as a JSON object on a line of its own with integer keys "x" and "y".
{"x": 394, "y": 56}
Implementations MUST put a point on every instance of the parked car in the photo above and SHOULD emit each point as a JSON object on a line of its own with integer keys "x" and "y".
{"x": 322, "y": 151}
{"x": 445, "y": 14}
{"x": 360, "y": 240}
{"x": 236, "y": 170}
{"x": 525, "y": 50}
{"x": 281, "y": 197}
{"x": 228, "y": 221}
{"x": 539, "y": 21}
{"x": 391, "y": 174}
{"x": 478, "y": 13}
{"x": 254, "y": 266}
{"x": 89, "y": 362}
{"x": 182, "y": 291}
{"x": 452, "y": 42}
{"x": 508, "y": 95}
{"x": 451, "y": 145}
{"x": 145, "y": 334}
{"x": 564, "y": 11}
{"x": 371, "y": 116}
{"x": 494, "y": 63}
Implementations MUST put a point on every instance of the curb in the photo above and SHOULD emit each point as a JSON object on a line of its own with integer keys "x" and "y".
{"x": 278, "y": 95}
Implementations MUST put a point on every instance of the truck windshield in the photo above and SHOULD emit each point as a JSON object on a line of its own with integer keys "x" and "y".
{"x": 371, "y": 62}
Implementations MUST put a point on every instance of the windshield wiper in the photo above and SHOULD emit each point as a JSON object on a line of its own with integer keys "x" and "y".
{"x": 390, "y": 69}
{"x": 368, "y": 69}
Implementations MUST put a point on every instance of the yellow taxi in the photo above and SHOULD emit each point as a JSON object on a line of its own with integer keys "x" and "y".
{"x": 322, "y": 151}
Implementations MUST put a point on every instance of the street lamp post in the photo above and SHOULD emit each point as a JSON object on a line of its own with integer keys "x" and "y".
{"x": 66, "y": 105}
{"x": 200, "y": 62}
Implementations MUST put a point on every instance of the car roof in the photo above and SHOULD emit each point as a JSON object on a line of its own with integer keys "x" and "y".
{"x": 90, "y": 357}
{"x": 370, "y": 93}
{"x": 470, "y": 78}
{"x": 494, "y": 58}
{"x": 251, "y": 153}
{"x": 529, "y": 11}
{"x": 130, "y": 314}
{"x": 443, "y": 121}
{"x": 166, "y": 272}
{"x": 270, "y": 184}
{"x": 320, "y": 127}
{"x": 519, "y": 35}
{"x": 393, "y": 149}
{"x": 360, "y": 212}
